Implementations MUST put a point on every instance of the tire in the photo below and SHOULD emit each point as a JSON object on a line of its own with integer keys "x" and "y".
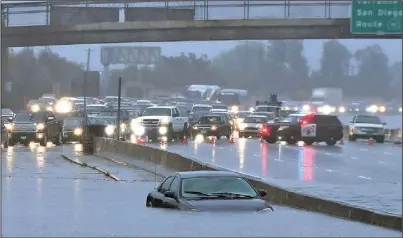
{"x": 308, "y": 141}
{"x": 352, "y": 137}
{"x": 331, "y": 141}
{"x": 291, "y": 141}
{"x": 380, "y": 139}
{"x": 228, "y": 135}
{"x": 59, "y": 140}
{"x": 170, "y": 133}
{"x": 185, "y": 131}
{"x": 44, "y": 141}
{"x": 270, "y": 140}
{"x": 5, "y": 144}
{"x": 11, "y": 142}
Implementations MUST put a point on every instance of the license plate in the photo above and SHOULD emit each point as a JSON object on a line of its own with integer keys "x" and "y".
{"x": 23, "y": 137}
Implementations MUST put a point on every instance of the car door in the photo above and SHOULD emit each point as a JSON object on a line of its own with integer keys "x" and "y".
{"x": 176, "y": 120}
{"x": 174, "y": 187}
{"x": 159, "y": 198}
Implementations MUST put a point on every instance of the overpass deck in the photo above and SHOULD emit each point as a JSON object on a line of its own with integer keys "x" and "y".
{"x": 164, "y": 31}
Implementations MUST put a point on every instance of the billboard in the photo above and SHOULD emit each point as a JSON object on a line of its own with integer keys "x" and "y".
{"x": 130, "y": 55}
{"x": 159, "y": 14}
{"x": 82, "y": 15}
{"x": 93, "y": 87}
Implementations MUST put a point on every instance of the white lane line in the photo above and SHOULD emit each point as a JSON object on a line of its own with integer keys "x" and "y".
{"x": 363, "y": 177}
{"x": 387, "y": 153}
{"x": 362, "y": 149}
{"x": 257, "y": 155}
{"x": 381, "y": 162}
{"x": 329, "y": 170}
{"x": 352, "y": 157}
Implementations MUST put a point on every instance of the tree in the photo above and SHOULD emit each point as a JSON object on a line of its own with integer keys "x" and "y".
{"x": 373, "y": 71}
{"x": 242, "y": 67}
{"x": 396, "y": 84}
{"x": 334, "y": 65}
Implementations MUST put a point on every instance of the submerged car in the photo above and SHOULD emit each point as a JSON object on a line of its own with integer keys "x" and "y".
{"x": 208, "y": 191}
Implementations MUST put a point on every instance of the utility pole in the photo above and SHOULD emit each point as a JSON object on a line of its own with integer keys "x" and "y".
{"x": 85, "y": 91}
{"x": 119, "y": 100}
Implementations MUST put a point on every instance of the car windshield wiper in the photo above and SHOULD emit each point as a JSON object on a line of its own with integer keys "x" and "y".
{"x": 229, "y": 194}
{"x": 202, "y": 195}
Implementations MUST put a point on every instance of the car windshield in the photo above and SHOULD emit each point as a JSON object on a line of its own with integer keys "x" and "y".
{"x": 6, "y": 111}
{"x": 101, "y": 121}
{"x": 198, "y": 109}
{"x": 255, "y": 120}
{"x": 292, "y": 119}
{"x": 220, "y": 107}
{"x": 72, "y": 122}
{"x": 199, "y": 186}
{"x": 157, "y": 112}
{"x": 28, "y": 116}
{"x": 269, "y": 116}
{"x": 368, "y": 119}
{"x": 211, "y": 120}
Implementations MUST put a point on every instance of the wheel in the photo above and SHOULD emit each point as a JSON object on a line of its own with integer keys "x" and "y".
{"x": 5, "y": 144}
{"x": 270, "y": 140}
{"x": 309, "y": 141}
{"x": 44, "y": 141}
{"x": 170, "y": 133}
{"x": 331, "y": 141}
{"x": 291, "y": 141}
{"x": 11, "y": 142}
{"x": 228, "y": 135}
{"x": 59, "y": 140}
{"x": 380, "y": 139}
{"x": 352, "y": 137}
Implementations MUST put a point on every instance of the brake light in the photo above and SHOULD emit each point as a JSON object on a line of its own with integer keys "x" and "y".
{"x": 306, "y": 119}
{"x": 265, "y": 130}
{"x": 28, "y": 107}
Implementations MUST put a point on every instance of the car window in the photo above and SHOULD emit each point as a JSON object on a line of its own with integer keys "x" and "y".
{"x": 165, "y": 185}
{"x": 175, "y": 185}
{"x": 368, "y": 119}
{"x": 29, "y": 116}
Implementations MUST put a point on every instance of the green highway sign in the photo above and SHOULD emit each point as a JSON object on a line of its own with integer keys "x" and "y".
{"x": 371, "y": 17}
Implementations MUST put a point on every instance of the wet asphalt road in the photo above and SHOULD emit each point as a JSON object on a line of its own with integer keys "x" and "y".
{"x": 44, "y": 195}
{"x": 355, "y": 173}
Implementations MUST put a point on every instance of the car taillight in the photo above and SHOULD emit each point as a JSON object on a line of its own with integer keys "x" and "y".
{"x": 28, "y": 107}
{"x": 265, "y": 130}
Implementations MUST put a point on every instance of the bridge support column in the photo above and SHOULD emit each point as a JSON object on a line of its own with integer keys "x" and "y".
{"x": 5, "y": 80}
{"x": 105, "y": 80}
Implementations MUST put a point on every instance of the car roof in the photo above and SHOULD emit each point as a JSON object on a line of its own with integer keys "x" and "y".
{"x": 206, "y": 173}
{"x": 166, "y": 107}
{"x": 202, "y": 105}
{"x": 260, "y": 116}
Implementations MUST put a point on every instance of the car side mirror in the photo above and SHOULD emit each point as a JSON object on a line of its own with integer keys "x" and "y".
{"x": 262, "y": 192}
{"x": 170, "y": 194}
{"x": 384, "y": 123}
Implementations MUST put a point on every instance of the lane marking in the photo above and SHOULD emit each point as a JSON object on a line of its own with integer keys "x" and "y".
{"x": 387, "y": 153}
{"x": 363, "y": 177}
{"x": 352, "y": 157}
{"x": 329, "y": 170}
{"x": 257, "y": 155}
{"x": 381, "y": 162}
{"x": 362, "y": 149}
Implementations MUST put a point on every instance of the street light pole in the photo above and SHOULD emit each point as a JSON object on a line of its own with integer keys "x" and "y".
{"x": 85, "y": 90}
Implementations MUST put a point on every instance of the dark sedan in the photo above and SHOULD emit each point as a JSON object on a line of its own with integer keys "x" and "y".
{"x": 215, "y": 125}
{"x": 207, "y": 191}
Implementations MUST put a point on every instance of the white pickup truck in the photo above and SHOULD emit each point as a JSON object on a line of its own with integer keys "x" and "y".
{"x": 365, "y": 127}
{"x": 160, "y": 121}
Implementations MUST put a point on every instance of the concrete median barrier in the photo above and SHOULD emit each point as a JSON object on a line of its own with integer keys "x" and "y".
{"x": 276, "y": 194}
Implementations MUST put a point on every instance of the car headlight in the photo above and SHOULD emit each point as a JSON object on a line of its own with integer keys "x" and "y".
{"x": 49, "y": 108}
{"x": 252, "y": 109}
{"x": 40, "y": 126}
{"x": 9, "y": 127}
{"x": 78, "y": 131}
{"x": 382, "y": 109}
{"x": 195, "y": 127}
{"x": 213, "y": 127}
{"x": 139, "y": 130}
{"x": 267, "y": 209}
{"x": 35, "y": 108}
{"x": 110, "y": 130}
{"x": 342, "y": 109}
{"x": 164, "y": 122}
{"x": 162, "y": 130}
{"x": 123, "y": 127}
{"x": 242, "y": 126}
{"x": 234, "y": 109}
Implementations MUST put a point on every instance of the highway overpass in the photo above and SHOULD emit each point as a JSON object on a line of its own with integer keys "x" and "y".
{"x": 164, "y": 31}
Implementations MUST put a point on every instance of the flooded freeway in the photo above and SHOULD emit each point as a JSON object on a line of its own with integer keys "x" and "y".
{"x": 49, "y": 196}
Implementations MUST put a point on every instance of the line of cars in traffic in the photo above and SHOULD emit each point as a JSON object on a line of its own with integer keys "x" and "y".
{"x": 176, "y": 119}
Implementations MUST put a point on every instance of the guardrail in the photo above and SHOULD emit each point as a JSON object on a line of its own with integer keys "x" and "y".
{"x": 276, "y": 194}
{"x": 204, "y": 10}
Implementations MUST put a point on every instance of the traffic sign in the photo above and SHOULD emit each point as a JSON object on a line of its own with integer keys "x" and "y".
{"x": 130, "y": 55}
{"x": 369, "y": 17}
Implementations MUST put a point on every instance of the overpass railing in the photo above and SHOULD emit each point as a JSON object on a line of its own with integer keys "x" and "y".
{"x": 91, "y": 11}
